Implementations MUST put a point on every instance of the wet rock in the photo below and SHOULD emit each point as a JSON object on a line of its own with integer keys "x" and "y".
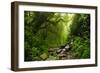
{"x": 50, "y": 50}
{"x": 67, "y": 46}
{"x": 62, "y": 55}
{"x": 59, "y": 50}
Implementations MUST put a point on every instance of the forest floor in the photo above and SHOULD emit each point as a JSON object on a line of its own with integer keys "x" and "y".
{"x": 61, "y": 53}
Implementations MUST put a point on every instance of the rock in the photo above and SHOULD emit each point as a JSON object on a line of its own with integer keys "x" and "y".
{"x": 67, "y": 46}
{"x": 59, "y": 50}
{"x": 63, "y": 58}
{"x": 64, "y": 49}
{"x": 44, "y": 56}
{"x": 51, "y": 58}
{"x": 62, "y": 55}
{"x": 51, "y": 50}
{"x": 55, "y": 48}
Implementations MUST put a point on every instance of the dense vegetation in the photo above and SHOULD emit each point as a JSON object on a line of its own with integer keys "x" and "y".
{"x": 56, "y": 36}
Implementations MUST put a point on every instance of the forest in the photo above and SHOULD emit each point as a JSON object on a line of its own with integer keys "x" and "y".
{"x": 56, "y": 36}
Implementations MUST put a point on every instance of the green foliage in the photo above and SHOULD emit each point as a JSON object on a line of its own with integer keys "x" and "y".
{"x": 81, "y": 48}
{"x": 81, "y": 36}
{"x": 45, "y": 30}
